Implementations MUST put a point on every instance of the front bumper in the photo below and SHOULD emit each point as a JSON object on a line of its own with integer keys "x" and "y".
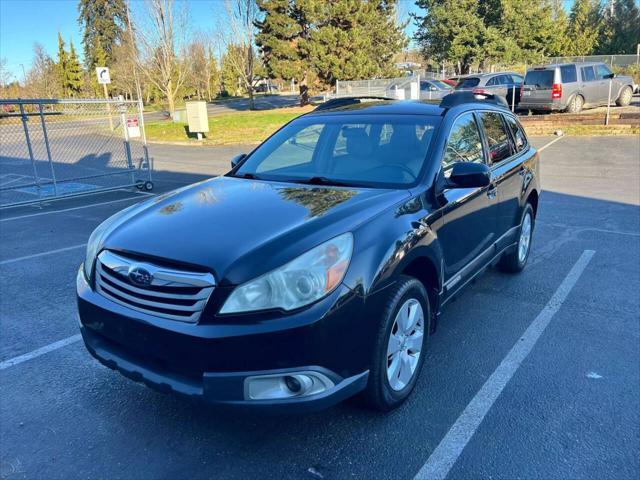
{"x": 210, "y": 361}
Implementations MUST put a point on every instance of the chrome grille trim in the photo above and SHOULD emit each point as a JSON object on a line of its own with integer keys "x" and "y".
{"x": 112, "y": 282}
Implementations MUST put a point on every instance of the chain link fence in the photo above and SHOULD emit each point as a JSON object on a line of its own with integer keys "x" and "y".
{"x": 611, "y": 60}
{"x": 401, "y": 88}
{"x": 59, "y": 148}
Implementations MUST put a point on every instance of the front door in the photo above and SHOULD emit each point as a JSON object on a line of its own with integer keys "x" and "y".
{"x": 469, "y": 214}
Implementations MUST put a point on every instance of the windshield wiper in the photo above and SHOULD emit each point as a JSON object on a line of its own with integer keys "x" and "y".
{"x": 321, "y": 181}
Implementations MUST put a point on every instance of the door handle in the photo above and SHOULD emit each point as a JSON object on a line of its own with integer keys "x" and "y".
{"x": 492, "y": 192}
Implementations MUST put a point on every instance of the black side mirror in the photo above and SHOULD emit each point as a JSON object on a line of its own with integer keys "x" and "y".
{"x": 469, "y": 175}
{"x": 237, "y": 159}
{"x": 610, "y": 76}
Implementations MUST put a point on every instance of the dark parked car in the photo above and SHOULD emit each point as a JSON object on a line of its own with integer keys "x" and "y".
{"x": 503, "y": 84}
{"x": 434, "y": 89}
{"x": 266, "y": 88}
{"x": 572, "y": 86}
{"x": 318, "y": 267}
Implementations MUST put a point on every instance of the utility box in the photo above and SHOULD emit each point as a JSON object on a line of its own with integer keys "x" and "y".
{"x": 197, "y": 117}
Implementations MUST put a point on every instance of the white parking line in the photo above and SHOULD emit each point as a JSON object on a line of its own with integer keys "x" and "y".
{"x": 550, "y": 143}
{"x": 40, "y": 351}
{"x": 36, "y": 255}
{"x": 451, "y": 446}
{"x": 67, "y": 209}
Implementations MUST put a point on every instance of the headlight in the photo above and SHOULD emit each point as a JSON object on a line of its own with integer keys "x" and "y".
{"x": 97, "y": 237}
{"x": 300, "y": 282}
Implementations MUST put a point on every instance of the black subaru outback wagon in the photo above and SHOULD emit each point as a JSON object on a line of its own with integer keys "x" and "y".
{"x": 318, "y": 267}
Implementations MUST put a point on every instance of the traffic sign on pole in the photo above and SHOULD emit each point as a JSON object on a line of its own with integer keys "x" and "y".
{"x": 103, "y": 75}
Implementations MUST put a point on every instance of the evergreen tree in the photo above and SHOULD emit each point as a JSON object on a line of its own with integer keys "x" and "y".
{"x": 621, "y": 30}
{"x": 585, "y": 24}
{"x": 62, "y": 67}
{"x": 279, "y": 33}
{"x": 533, "y": 28}
{"x": 351, "y": 39}
{"x": 327, "y": 41}
{"x": 453, "y": 31}
{"x": 100, "y": 59}
{"x": 103, "y": 25}
{"x": 75, "y": 74}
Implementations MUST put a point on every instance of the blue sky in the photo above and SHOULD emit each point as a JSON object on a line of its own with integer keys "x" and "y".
{"x": 24, "y": 22}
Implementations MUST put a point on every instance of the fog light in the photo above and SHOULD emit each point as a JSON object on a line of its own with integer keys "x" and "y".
{"x": 280, "y": 386}
{"x": 293, "y": 384}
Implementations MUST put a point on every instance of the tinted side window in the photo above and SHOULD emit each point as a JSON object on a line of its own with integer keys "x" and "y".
{"x": 587, "y": 74}
{"x": 518, "y": 133}
{"x": 491, "y": 82}
{"x": 568, "y": 73}
{"x": 464, "y": 144}
{"x": 517, "y": 78}
{"x": 497, "y": 137}
{"x": 602, "y": 72}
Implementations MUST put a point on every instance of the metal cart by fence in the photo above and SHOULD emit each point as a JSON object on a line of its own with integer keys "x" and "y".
{"x": 57, "y": 148}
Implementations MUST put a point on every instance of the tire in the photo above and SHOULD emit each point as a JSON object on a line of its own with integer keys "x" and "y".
{"x": 148, "y": 185}
{"x": 514, "y": 261}
{"x": 625, "y": 97}
{"x": 392, "y": 377}
{"x": 575, "y": 105}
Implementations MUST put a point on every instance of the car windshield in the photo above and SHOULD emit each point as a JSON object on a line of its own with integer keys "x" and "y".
{"x": 352, "y": 150}
{"x": 468, "y": 83}
{"x": 539, "y": 78}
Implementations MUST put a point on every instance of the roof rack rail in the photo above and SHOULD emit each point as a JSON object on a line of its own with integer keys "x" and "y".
{"x": 345, "y": 101}
{"x": 475, "y": 96}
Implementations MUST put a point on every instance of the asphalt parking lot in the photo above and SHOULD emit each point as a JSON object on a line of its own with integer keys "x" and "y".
{"x": 569, "y": 408}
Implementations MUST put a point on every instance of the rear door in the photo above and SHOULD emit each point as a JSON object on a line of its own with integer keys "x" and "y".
{"x": 493, "y": 86}
{"x": 501, "y": 147}
{"x": 589, "y": 85}
{"x": 536, "y": 89}
{"x": 569, "y": 80}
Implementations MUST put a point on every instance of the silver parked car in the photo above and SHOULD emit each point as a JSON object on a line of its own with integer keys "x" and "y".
{"x": 572, "y": 86}
{"x": 502, "y": 84}
{"x": 434, "y": 89}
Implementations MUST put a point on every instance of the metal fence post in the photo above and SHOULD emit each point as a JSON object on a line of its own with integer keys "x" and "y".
{"x": 48, "y": 147}
{"x": 127, "y": 146}
{"x": 28, "y": 138}
{"x": 145, "y": 149}
{"x": 337, "y": 88}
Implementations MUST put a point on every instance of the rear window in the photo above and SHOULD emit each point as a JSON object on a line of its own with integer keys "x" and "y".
{"x": 468, "y": 82}
{"x": 539, "y": 78}
{"x": 568, "y": 73}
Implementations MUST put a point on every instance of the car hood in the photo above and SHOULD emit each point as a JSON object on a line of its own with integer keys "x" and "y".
{"x": 238, "y": 228}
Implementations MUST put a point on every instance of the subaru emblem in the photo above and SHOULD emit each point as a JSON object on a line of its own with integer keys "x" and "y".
{"x": 140, "y": 276}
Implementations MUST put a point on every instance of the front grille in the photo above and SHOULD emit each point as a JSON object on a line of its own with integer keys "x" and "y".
{"x": 165, "y": 292}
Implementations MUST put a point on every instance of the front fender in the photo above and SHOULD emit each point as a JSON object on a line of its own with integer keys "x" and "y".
{"x": 389, "y": 243}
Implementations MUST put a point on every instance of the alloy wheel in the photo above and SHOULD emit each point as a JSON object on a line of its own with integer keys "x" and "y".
{"x": 405, "y": 344}
{"x": 525, "y": 238}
